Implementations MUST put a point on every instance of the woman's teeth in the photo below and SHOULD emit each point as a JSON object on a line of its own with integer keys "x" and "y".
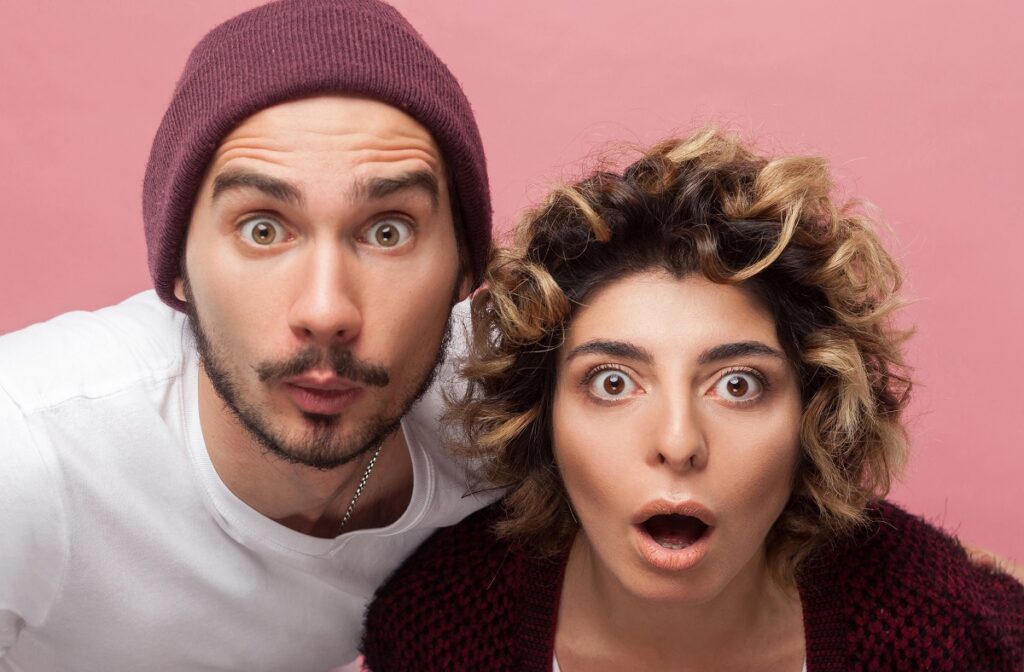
{"x": 674, "y": 531}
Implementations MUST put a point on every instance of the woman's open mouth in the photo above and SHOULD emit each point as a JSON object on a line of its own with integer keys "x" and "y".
{"x": 674, "y": 537}
{"x": 675, "y": 531}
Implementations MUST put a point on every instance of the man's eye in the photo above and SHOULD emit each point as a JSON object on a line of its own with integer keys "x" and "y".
{"x": 262, "y": 231}
{"x": 389, "y": 233}
{"x": 611, "y": 384}
{"x": 738, "y": 386}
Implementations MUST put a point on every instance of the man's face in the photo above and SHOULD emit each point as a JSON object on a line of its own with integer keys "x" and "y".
{"x": 322, "y": 265}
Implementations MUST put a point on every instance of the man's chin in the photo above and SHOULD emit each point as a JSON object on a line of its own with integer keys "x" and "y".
{"x": 320, "y": 442}
{"x": 320, "y": 458}
{"x": 318, "y": 420}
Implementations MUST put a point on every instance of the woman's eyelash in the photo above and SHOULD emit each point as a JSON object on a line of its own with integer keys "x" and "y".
{"x": 761, "y": 378}
{"x": 592, "y": 373}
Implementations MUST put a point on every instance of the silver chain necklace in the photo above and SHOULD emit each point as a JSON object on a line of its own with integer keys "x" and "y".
{"x": 359, "y": 488}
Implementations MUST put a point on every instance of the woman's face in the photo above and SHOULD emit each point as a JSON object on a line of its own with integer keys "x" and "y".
{"x": 676, "y": 430}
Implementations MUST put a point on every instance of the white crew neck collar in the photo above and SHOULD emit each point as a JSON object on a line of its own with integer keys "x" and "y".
{"x": 250, "y": 527}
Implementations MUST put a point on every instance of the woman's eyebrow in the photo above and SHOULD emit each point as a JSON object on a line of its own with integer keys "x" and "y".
{"x": 612, "y": 349}
{"x": 738, "y": 349}
{"x": 717, "y": 353}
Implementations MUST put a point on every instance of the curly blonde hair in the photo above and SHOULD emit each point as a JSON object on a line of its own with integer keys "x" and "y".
{"x": 705, "y": 204}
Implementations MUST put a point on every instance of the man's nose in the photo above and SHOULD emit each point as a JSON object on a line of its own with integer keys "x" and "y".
{"x": 327, "y": 306}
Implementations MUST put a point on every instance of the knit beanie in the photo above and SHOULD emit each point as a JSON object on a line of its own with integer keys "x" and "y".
{"x": 291, "y": 49}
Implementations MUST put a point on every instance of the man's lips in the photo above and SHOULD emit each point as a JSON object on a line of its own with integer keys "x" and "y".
{"x": 321, "y": 394}
{"x": 321, "y": 381}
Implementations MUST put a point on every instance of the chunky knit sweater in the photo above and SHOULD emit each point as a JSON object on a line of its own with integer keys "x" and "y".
{"x": 899, "y": 596}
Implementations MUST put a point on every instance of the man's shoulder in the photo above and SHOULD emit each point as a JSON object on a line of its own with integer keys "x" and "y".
{"x": 907, "y": 588}
{"x": 91, "y": 354}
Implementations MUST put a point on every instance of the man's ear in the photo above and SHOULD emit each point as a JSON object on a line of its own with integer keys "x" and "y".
{"x": 181, "y": 282}
{"x": 179, "y": 289}
{"x": 465, "y": 284}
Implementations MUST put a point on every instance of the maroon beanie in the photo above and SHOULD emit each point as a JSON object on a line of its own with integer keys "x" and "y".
{"x": 295, "y": 48}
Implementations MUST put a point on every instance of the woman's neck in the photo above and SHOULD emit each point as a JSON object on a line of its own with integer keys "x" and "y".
{"x": 602, "y": 625}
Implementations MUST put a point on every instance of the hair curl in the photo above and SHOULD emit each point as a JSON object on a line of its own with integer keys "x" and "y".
{"x": 706, "y": 204}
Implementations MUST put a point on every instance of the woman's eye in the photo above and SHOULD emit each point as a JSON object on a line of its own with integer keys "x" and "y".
{"x": 262, "y": 231}
{"x": 738, "y": 386}
{"x": 611, "y": 385}
{"x": 389, "y": 233}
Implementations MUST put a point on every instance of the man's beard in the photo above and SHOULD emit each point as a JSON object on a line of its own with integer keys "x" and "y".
{"x": 320, "y": 448}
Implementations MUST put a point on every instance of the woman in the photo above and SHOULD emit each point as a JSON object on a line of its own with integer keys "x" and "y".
{"x": 687, "y": 377}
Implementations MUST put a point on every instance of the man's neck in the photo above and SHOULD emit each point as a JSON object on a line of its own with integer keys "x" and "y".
{"x": 307, "y": 500}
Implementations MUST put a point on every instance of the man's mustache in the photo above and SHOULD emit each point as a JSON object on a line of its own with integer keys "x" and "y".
{"x": 338, "y": 360}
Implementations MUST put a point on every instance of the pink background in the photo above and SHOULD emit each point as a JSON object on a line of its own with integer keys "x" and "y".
{"x": 917, "y": 103}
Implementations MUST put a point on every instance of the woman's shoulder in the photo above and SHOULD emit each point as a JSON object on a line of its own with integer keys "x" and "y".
{"x": 444, "y": 569}
{"x": 454, "y": 603}
{"x": 910, "y": 550}
{"x": 458, "y": 552}
{"x": 903, "y": 588}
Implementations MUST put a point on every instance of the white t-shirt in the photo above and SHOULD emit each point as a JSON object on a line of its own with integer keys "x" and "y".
{"x": 121, "y": 548}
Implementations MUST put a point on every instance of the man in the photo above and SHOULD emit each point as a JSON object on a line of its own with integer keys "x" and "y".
{"x": 218, "y": 475}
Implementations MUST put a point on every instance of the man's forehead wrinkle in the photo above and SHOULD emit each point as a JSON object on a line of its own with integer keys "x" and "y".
{"x": 244, "y": 156}
{"x": 376, "y": 148}
{"x": 247, "y": 149}
{"x": 372, "y": 156}
{"x": 355, "y": 136}
{"x": 277, "y": 152}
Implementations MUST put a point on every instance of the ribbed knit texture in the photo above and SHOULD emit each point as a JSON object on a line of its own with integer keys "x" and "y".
{"x": 287, "y": 50}
{"x": 901, "y": 596}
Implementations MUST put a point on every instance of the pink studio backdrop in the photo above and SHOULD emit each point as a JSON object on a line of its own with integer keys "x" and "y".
{"x": 918, "y": 104}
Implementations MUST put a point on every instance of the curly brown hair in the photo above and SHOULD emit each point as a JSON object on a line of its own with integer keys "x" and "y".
{"x": 705, "y": 204}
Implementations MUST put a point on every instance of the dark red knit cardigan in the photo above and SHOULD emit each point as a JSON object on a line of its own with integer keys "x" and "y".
{"x": 899, "y": 596}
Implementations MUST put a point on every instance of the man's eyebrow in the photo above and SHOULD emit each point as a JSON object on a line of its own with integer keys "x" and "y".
{"x": 739, "y": 349}
{"x": 612, "y": 349}
{"x": 243, "y": 179}
{"x": 376, "y": 188}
